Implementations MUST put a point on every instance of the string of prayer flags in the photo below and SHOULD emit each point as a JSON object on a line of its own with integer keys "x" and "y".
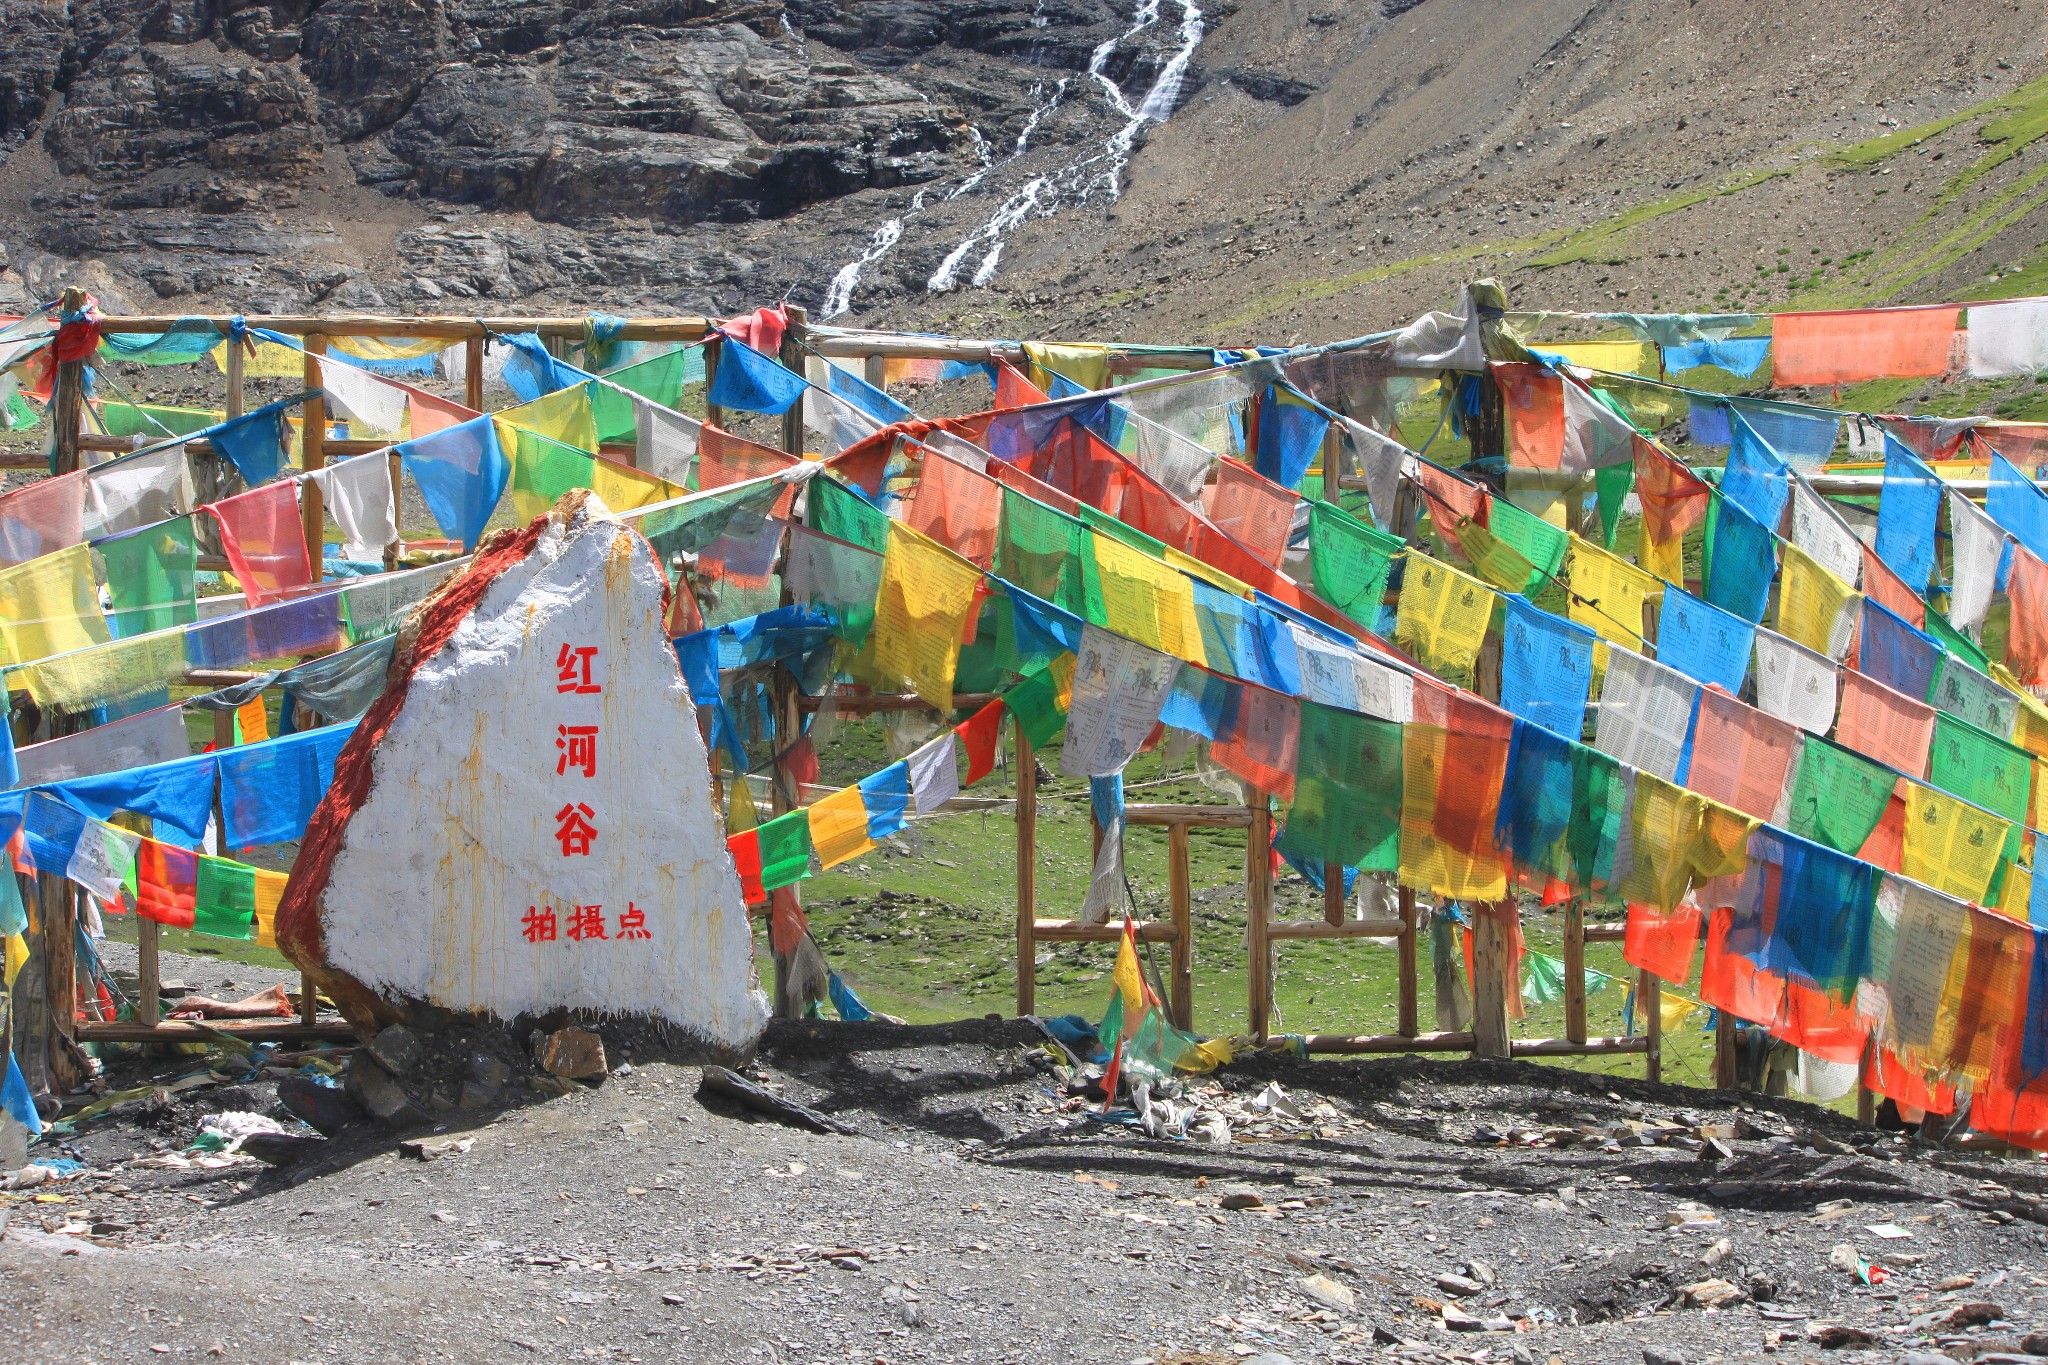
{"x": 1704, "y": 642}
{"x": 1349, "y": 561}
{"x": 1885, "y": 725}
{"x": 1742, "y": 562}
{"x": 42, "y": 518}
{"x": 748, "y": 381}
{"x": 358, "y": 495}
{"x": 886, "y": 795}
{"x": 665, "y": 442}
{"x": 1608, "y": 593}
{"x": 1741, "y": 756}
{"x": 254, "y": 443}
{"x": 1453, "y": 504}
{"x": 1851, "y": 347}
{"x": 979, "y": 735}
{"x": 1674, "y": 500}
{"x": 1546, "y": 669}
{"x": 1794, "y": 682}
{"x": 373, "y": 406}
{"x": 1443, "y": 617}
{"x": 1980, "y": 767}
{"x": 1601, "y": 791}
{"x": 1645, "y": 714}
{"x": 934, "y": 773}
{"x": 839, "y": 827}
{"x": 1907, "y": 509}
{"x": 1664, "y": 822}
{"x": 265, "y": 540}
{"x": 1816, "y": 607}
{"x": 1596, "y": 436}
{"x": 1978, "y": 544}
{"x": 1347, "y": 797}
{"x": 150, "y": 578}
{"x": 1890, "y": 650}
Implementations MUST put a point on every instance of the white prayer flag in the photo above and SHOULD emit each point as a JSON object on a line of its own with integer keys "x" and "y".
{"x": 1979, "y": 542}
{"x": 359, "y": 497}
{"x": 934, "y": 775}
{"x": 366, "y": 398}
{"x": 664, "y": 441}
{"x": 155, "y": 736}
{"x": 1794, "y": 683}
{"x": 104, "y": 860}
{"x": 1645, "y": 709}
{"x": 2008, "y": 338}
{"x": 1816, "y": 530}
{"x": 1119, "y": 687}
{"x": 138, "y": 491}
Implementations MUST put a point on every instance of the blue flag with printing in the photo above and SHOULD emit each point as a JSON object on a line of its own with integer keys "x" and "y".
{"x": 1704, "y": 642}
{"x": 1907, "y": 511}
{"x": 1755, "y": 479}
{"x": 1546, "y": 671}
{"x": 460, "y": 472}
{"x": 1744, "y": 562}
{"x": 748, "y": 381}
{"x": 1897, "y": 653}
{"x": 2017, "y": 505}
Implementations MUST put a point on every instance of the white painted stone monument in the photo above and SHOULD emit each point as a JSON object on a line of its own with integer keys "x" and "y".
{"x": 523, "y": 824}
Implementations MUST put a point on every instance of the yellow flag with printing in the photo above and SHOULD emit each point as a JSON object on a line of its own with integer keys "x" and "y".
{"x": 1608, "y": 593}
{"x": 1815, "y": 607}
{"x": 1442, "y": 617}
{"x": 839, "y": 827}
{"x": 1147, "y": 600}
{"x": 49, "y": 605}
{"x": 269, "y": 892}
{"x": 564, "y": 415}
{"x": 1951, "y": 845}
{"x": 920, "y": 613}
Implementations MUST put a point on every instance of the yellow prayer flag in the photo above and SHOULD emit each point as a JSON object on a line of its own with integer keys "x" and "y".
{"x": 1062, "y": 670}
{"x": 564, "y": 415}
{"x": 1664, "y": 558}
{"x": 1498, "y": 562}
{"x": 2018, "y": 891}
{"x": 1674, "y": 1010}
{"x": 927, "y": 592}
{"x": 1815, "y": 607}
{"x": 1130, "y": 982}
{"x": 839, "y": 827}
{"x": 1442, "y": 617}
{"x": 270, "y": 361}
{"x": 1608, "y": 593}
{"x": 1146, "y": 600}
{"x": 50, "y": 606}
{"x": 1087, "y": 364}
{"x": 623, "y": 488}
{"x": 1951, "y": 845}
{"x": 253, "y": 721}
{"x": 740, "y": 815}
{"x": 1721, "y": 848}
{"x": 1215, "y": 578}
{"x": 269, "y": 892}
{"x": 17, "y": 955}
{"x": 1666, "y": 829}
{"x": 1427, "y": 862}
{"x": 1615, "y": 357}
{"x": 122, "y": 669}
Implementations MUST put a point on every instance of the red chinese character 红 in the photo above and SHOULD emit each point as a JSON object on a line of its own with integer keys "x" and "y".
{"x": 586, "y": 921}
{"x": 578, "y": 746}
{"x": 572, "y": 669}
{"x": 633, "y": 922}
{"x": 574, "y": 830}
{"x": 540, "y": 924}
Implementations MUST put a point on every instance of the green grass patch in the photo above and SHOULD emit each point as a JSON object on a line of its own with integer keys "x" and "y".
{"x": 1588, "y": 243}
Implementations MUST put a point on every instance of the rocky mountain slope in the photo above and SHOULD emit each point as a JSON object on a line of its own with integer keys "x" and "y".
{"x": 1144, "y": 169}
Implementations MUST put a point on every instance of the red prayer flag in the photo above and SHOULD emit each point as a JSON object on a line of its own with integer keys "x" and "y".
{"x": 265, "y": 540}
{"x": 1250, "y": 507}
{"x": 956, "y": 506}
{"x": 166, "y": 883}
{"x": 1674, "y": 498}
{"x": 1662, "y": 944}
{"x": 1013, "y": 390}
{"x": 1848, "y": 348}
{"x": 2026, "y": 647}
{"x": 1263, "y": 743}
{"x": 786, "y": 922}
{"x": 1534, "y": 399}
{"x": 978, "y": 735}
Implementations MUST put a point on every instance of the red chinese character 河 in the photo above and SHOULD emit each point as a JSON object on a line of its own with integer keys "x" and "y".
{"x": 572, "y": 669}
{"x": 540, "y": 924}
{"x": 578, "y": 746}
{"x": 586, "y": 921}
{"x": 633, "y": 922}
{"x": 574, "y": 830}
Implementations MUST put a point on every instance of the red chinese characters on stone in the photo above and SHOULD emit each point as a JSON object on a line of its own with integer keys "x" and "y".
{"x": 540, "y": 924}
{"x": 574, "y": 830}
{"x": 586, "y": 922}
{"x": 577, "y": 746}
{"x": 573, "y": 670}
{"x": 633, "y": 922}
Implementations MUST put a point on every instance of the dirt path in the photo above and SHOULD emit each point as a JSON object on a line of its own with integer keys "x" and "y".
{"x": 980, "y": 1218}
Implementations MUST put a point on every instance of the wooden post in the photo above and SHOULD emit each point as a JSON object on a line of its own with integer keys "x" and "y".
{"x": 473, "y": 373}
{"x": 1575, "y": 970}
{"x": 875, "y": 369}
{"x": 148, "y": 971}
{"x": 67, "y": 400}
{"x": 1490, "y": 979}
{"x": 1650, "y": 987}
{"x": 1180, "y": 888}
{"x": 1258, "y": 901}
{"x": 1333, "y": 893}
{"x": 1410, "y": 985}
{"x": 237, "y": 362}
{"x": 714, "y": 415}
{"x": 1866, "y": 1098}
{"x": 56, "y": 898}
{"x": 1726, "y": 1069}
{"x": 1027, "y": 873}
{"x": 312, "y": 456}
{"x": 793, "y": 359}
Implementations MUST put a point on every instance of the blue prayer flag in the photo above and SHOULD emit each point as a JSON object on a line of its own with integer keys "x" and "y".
{"x": 1907, "y": 511}
{"x": 748, "y": 381}
{"x": 886, "y": 794}
{"x": 1290, "y": 435}
{"x": 1703, "y": 641}
{"x": 254, "y": 443}
{"x": 1895, "y": 652}
{"x": 1546, "y": 670}
{"x": 1755, "y": 479}
{"x": 1744, "y": 562}
{"x": 268, "y": 791}
{"x": 2017, "y": 505}
{"x": 460, "y": 472}
{"x": 1739, "y": 356}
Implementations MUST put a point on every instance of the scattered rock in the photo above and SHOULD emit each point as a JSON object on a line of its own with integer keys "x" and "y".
{"x": 379, "y": 1093}
{"x": 1711, "y": 1294}
{"x": 1836, "y": 1337}
{"x": 1329, "y": 1293}
{"x": 574, "y": 1054}
{"x": 1240, "y": 1201}
{"x": 1972, "y": 1315}
{"x": 1482, "y": 1272}
{"x": 397, "y": 1049}
{"x": 326, "y": 1109}
{"x": 1663, "y": 1355}
{"x": 1459, "y": 1285}
{"x": 2035, "y": 1343}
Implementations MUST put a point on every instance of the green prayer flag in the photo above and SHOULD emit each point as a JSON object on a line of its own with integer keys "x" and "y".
{"x": 1349, "y": 561}
{"x": 225, "y": 899}
{"x": 1347, "y": 797}
{"x": 1980, "y": 767}
{"x": 1535, "y": 539}
{"x": 1543, "y": 978}
{"x": 659, "y": 380}
{"x": 543, "y": 470}
{"x": 1611, "y": 487}
{"x": 1838, "y": 796}
{"x": 1599, "y": 801}
{"x": 839, "y": 511}
{"x": 1035, "y": 703}
{"x": 785, "y": 850}
{"x": 153, "y": 421}
{"x": 1955, "y": 642}
{"x": 1043, "y": 551}
{"x": 150, "y": 578}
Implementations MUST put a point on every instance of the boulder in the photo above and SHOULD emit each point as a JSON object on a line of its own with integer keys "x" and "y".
{"x": 522, "y": 826}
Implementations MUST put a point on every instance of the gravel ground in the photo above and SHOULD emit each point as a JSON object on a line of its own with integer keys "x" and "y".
{"x": 979, "y": 1217}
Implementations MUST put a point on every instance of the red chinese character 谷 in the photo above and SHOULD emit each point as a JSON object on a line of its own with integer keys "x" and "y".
{"x": 633, "y": 922}
{"x": 578, "y": 746}
{"x": 586, "y": 921}
{"x": 539, "y": 925}
{"x": 574, "y": 830}
{"x": 572, "y": 669}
